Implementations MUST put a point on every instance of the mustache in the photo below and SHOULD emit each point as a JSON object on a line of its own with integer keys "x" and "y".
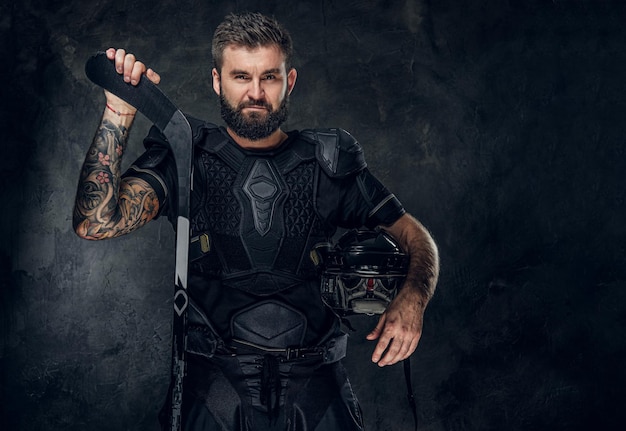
{"x": 255, "y": 104}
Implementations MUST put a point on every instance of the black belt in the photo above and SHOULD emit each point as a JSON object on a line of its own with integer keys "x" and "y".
{"x": 332, "y": 351}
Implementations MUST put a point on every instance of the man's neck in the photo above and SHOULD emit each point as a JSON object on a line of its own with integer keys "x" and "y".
{"x": 272, "y": 141}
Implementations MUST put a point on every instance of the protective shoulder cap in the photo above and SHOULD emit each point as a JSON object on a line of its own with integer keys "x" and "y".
{"x": 337, "y": 151}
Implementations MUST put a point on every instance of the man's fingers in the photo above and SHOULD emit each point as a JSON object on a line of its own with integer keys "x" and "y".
{"x": 138, "y": 69}
{"x": 153, "y": 76}
{"x": 129, "y": 67}
{"x": 395, "y": 342}
{"x": 126, "y": 64}
{"x": 377, "y": 330}
{"x": 400, "y": 350}
{"x": 382, "y": 345}
{"x": 120, "y": 56}
{"x": 396, "y": 349}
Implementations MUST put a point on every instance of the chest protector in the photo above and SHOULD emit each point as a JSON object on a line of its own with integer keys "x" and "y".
{"x": 258, "y": 208}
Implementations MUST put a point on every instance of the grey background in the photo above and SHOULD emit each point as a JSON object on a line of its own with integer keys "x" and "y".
{"x": 498, "y": 123}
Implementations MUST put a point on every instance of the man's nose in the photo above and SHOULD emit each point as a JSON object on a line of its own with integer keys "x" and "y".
{"x": 255, "y": 90}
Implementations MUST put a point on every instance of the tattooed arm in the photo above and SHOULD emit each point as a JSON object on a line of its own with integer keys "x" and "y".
{"x": 108, "y": 205}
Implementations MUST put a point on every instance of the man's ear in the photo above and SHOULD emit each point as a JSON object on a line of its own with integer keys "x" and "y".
{"x": 216, "y": 81}
{"x": 291, "y": 79}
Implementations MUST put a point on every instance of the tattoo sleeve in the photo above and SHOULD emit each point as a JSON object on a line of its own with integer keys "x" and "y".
{"x": 106, "y": 205}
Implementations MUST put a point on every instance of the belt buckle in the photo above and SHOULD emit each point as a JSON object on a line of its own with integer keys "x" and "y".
{"x": 292, "y": 353}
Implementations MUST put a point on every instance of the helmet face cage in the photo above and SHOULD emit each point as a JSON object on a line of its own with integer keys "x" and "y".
{"x": 359, "y": 295}
{"x": 361, "y": 274}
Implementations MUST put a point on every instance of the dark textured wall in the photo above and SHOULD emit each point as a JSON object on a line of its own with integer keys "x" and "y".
{"x": 498, "y": 123}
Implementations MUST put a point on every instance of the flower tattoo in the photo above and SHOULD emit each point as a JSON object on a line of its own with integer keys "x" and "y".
{"x": 103, "y": 177}
{"x": 104, "y": 159}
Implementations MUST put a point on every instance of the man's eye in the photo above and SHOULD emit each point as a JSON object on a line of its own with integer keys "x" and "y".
{"x": 241, "y": 77}
{"x": 269, "y": 77}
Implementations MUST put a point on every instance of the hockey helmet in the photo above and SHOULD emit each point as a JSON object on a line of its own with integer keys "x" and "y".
{"x": 362, "y": 272}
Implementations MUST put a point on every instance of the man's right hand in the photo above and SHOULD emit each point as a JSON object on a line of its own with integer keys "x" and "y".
{"x": 127, "y": 65}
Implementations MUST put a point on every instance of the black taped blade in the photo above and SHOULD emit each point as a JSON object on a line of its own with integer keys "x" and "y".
{"x": 145, "y": 96}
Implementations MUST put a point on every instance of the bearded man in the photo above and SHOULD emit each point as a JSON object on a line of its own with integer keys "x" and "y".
{"x": 263, "y": 349}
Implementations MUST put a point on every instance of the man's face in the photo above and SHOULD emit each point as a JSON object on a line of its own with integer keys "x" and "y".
{"x": 254, "y": 88}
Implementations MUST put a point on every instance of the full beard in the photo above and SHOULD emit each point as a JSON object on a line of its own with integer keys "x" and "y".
{"x": 254, "y": 126}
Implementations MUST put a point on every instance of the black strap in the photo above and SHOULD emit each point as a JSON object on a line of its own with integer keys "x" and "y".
{"x": 332, "y": 351}
{"x": 151, "y": 102}
{"x": 409, "y": 387}
{"x": 270, "y": 387}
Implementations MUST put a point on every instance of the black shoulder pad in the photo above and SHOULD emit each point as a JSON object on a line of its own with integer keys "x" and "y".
{"x": 200, "y": 127}
{"x": 337, "y": 151}
{"x": 157, "y": 146}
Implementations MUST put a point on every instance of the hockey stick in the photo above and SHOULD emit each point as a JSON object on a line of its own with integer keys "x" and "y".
{"x": 151, "y": 102}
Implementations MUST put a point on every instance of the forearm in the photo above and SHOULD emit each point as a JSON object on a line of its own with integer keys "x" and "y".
{"x": 423, "y": 271}
{"x": 96, "y": 210}
{"x": 400, "y": 327}
{"x": 106, "y": 205}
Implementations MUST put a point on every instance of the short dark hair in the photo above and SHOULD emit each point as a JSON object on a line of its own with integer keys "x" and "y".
{"x": 250, "y": 30}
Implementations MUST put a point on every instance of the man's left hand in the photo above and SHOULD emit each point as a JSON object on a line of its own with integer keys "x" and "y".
{"x": 399, "y": 328}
